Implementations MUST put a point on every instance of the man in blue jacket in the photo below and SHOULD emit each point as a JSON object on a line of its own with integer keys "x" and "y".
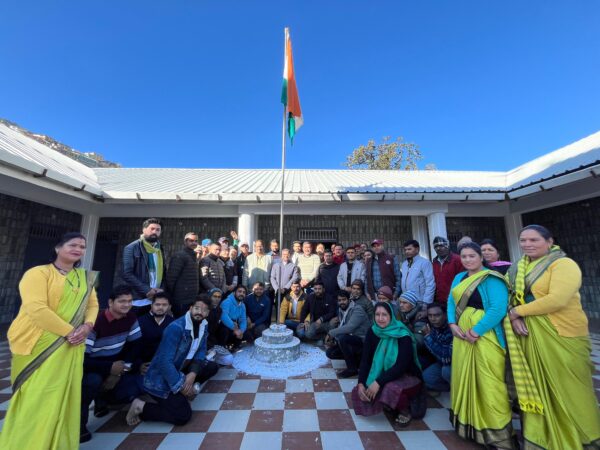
{"x": 173, "y": 371}
{"x": 258, "y": 312}
{"x": 233, "y": 318}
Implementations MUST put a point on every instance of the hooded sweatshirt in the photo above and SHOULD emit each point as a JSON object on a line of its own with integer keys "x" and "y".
{"x": 232, "y": 311}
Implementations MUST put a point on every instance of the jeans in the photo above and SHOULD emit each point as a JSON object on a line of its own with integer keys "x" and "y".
{"x": 351, "y": 347}
{"x": 437, "y": 377}
{"x": 174, "y": 409}
{"x": 128, "y": 388}
{"x": 208, "y": 370}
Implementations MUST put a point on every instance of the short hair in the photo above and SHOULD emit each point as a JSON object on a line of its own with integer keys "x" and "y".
{"x": 203, "y": 298}
{"x": 241, "y": 286}
{"x": 188, "y": 235}
{"x": 150, "y": 221}
{"x": 338, "y": 245}
{"x": 351, "y": 248}
{"x": 327, "y": 251}
{"x": 162, "y": 295}
{"x": 296, "y": 242}
{"x": 296, "y": 281}
{"x": 412, "y": 242}
{"x": 368, "y": 250}
{"x": 319, "y": 283}
{"x": 121, "y": 289}
{"x": 343, "y": 294}
{"x": 274, "y": 241}
{"x": 436, "y": 305}
{"x": 259, "y": 240}
{"x": 258, "y": 283}
{"x": 358, "y": 282}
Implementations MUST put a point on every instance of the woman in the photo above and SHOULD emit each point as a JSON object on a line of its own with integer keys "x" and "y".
{"x": 550, "y": 348}
{"x": 389, "y": 374}
{"x": 58, "y": 311}
{"x": 491, "y": 255}
{"x": 477, "y": 305}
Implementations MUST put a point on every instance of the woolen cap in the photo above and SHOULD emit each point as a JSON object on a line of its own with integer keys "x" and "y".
{"x": 439, "y": 240}
{"x": 410, "y": 297}
{"x": 386, "y": 291}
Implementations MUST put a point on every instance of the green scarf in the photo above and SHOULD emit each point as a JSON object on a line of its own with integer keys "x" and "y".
{"x": 524, "y": 267}
{"x": 386, "y": 352}
{"x": 152, "y": 267}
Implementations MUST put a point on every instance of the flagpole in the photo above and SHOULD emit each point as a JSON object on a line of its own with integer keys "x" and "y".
{"x": 282, "y": 187}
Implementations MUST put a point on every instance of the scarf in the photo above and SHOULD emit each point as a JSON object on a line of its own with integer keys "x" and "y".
{"x": 386, "y": 352}
{"x": 527, "y": 272}
{"x": 156, "y": 269}
{"x": 463, "y": 290}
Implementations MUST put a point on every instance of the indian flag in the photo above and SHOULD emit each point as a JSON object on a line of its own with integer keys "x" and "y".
{"x": 289, "y": 93}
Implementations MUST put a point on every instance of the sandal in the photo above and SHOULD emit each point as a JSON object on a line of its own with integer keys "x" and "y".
{"x": 403, "y": 419}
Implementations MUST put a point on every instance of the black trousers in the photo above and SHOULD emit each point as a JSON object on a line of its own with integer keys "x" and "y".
{"x": 207, "y": 370}
{"x": 174, "y": 409}
{"x": 226, "y": 337}
{"x": 351, "y": 347}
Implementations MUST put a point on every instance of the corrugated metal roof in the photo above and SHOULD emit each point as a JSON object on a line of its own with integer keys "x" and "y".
{"x": 21, "y": 151}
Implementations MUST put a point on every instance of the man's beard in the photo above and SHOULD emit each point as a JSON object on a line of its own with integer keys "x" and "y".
{"x": 159, "y": 314}
{"x": 151, "y": 238}
{"x": 195, "y": 319}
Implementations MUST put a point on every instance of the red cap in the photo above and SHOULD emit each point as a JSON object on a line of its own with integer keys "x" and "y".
{"x": 377, "y": 242}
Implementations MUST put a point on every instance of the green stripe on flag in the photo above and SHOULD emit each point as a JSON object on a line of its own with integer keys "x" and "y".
{"x": 291, "y": 128}
{"x": 284, "y": 92}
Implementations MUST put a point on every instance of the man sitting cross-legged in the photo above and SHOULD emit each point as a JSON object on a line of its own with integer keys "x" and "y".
{"x": 345, "y": 340}
{"x": 317, "y": 311}
{"x": 258, "y": 312}
{"x": 111, "y": 359}
{"x": 291, "y": 306}
{"x": 233, "y": 319}
{"x": 174, "y": 370}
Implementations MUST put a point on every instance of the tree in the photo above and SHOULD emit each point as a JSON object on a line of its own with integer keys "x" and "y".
{"x": 387, "y": 155}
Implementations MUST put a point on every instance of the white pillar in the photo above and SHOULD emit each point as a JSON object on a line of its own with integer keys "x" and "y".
{"x": 513, "y": 223}
{"x": 436, "y": 223}
{"x": 247, "y": 228}
{"x": 89, "y": 228}
{"x": 419, "y": 233}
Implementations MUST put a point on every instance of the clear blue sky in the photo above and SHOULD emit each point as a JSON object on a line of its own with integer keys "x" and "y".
{"x": 477, "y": 84}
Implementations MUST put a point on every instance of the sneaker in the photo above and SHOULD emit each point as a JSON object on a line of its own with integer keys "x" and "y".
{"x": 347, "y": 373}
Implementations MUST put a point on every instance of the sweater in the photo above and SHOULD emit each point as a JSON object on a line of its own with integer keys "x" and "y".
{"x": 319, "y": 308}
{"x": 405, "y": 363}
{"x": 308, "y": 266}
{"x": 259, "y": 310}
{"x": 417, "y": 276}
{"x": 328, "y": 276}
{"x": 556, "y": 294}
{"x": 152, "y": 333}
{"x": 233, "y": 312}
{"x": 41, "y": 289}
{"x": 257, "y": 268}
{"x": 439, "y": 344}
{"x": 212, "y": 273}
{"x": 183, "y": 279}
{"x": 444, "y": 273}
{"x": 356, "y": 322}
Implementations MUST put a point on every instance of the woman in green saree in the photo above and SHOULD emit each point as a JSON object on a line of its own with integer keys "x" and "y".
{"x": 58, "y": 311}
{"x": 477, "y": 305}
{"x": 549, "y": 348}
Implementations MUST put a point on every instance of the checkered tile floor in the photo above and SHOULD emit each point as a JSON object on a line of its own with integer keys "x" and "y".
{"x": 314, "y": 411}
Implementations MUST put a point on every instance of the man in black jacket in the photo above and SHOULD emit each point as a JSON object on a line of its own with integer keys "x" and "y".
{"x": 183, "y": 278}
{"x": 328, "y": 272}
{"x": 321, "y": 309}
{"x": 144, "y": 266}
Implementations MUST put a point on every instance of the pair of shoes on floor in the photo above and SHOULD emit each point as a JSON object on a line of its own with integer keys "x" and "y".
{"x": 347, "y": 373}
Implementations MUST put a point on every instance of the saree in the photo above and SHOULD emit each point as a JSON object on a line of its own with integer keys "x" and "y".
{"x": 480, "y": 408}
{"x": 44, "y": 411}
{"x": 560, "y": 372}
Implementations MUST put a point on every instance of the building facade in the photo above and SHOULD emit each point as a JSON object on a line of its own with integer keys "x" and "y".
{"x": 44, "y": 194}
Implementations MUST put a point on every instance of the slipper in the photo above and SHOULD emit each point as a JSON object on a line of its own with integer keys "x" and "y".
{"x": 403, "y": 419}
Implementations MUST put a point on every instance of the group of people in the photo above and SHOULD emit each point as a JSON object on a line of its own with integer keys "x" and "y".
{"x": 500, "y": 337}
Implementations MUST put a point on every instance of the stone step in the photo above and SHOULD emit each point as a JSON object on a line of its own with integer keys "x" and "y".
{"x": 276, "y": 353}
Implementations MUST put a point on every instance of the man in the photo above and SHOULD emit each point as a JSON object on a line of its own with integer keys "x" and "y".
{"x": 258, "y": 267}
{"x": 241, "y": 260}
{"x": 274, "y": 253}
{"x": 308, "y": 264}
{"x": 112, "y": 358}
{"x": 183, "y": 279}
{"x": 357, "y": 295}
{"x": 321, "y": 311}
{"x": 283, "y": 274}
{"x": 328, "y": 273}
{"x": 152, "y": 326}
{"x": 410, "y": 314}
{"x": 174, "y": 370}
{"x": 417, "y": 273}
{"x": 144, "y": 266}
{"x": 446, "y": 265}
{"x": 351, "y": 270}
{"x": 216, "y": 352}
{"x": 291, "y": 306}
{"x": 258, "y": 312}
{"x": 438, "y": 340}
{"x": 229, "y": 267}
{"x": 297, "y": 248}
{"x": 205, "y": 248}
{"x": 347, "y": 337}
{"x": 212, "y": 272}
{"x": 462, "y": 241}
{"x": 233, "y": 318}
{"x": 338, "y": 254}
{"x": 382, "y": 270}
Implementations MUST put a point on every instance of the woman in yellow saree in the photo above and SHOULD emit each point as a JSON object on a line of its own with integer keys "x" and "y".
{"x": 477, "y": 305}
{"x": 549, "y": 348}
{"x": 58, "y": 311}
